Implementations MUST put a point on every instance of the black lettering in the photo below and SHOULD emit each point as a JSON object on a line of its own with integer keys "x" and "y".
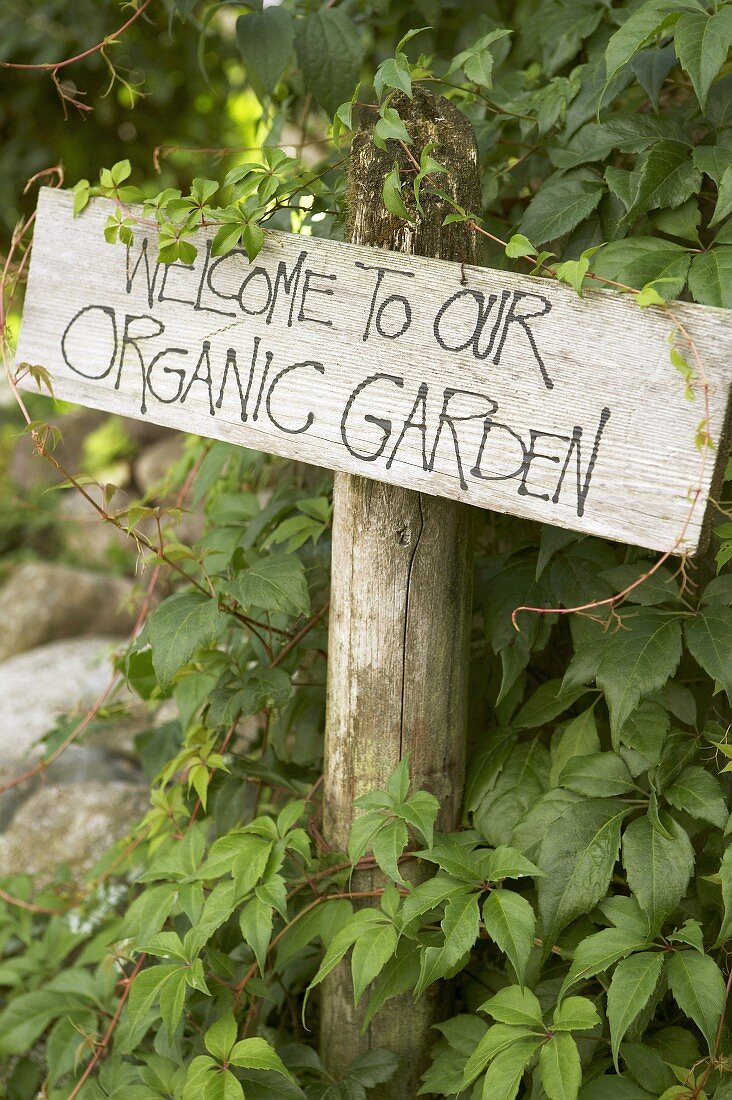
{"x": 209, "y": 280}
{"x": 531, "y": 454}
{"x": 384, "y": 425}
{"x": 521, "y": 319}
{"x": 256, "y": 273}
{"x": 420, "y": 402}
{"x": 583, "y": 486}
{"x": 290, "y": 283}
{"x": 84, "y": 341}
{"x": 202, "y": 281}
{"x": 162, "y": 296}
{"x": 372, "y": 308}
{"x": 489, "y": 426}
{"x": 308, "y": 289}
{"x": 450, "y": 419}
{"x": 405, "y": 323}
{"x": 268, "y": 357}
{"x": 128, "y": 340}
{"x": 231, "y": 365}
{"x": 167, "y": 370}
{"x": 150, "y": 280}
{"x": 205, "y": 378}
{"x": 275, "y": 382}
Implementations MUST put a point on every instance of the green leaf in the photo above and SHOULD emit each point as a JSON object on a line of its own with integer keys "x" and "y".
{"x": 578, "y": 738}
{"x": 223, "y": 1085}
{"x": 388, "y": 845}
{"x": 400, "y": 975}
{"x": 641, "y": 260}
{"x": 597, "y": 954}
{"x": 725, "y": 875}
{"x": 644, "y": 23}
{"x": 329, "y": 53}
{"x": 636, "y": 662}
{"x": 631, "y": 988}
{"x": 559, "y": 1067}
{"x": 702, "y": 42}
{"x": 510, "y": 921}
{"x": 700, "y": 794}
{"x": 172, "y": 1001}
{"x": 724, "y": 197}
{"x": 390, "y": 126}
{"x": 394, "y": 72}
{"x": 28, "y": 1015}
{"x": 682, "y": 222}
{"x": 371, "y": 952}
{"x": 709, "y": 638}
{"x": 514, "y": 1005}
{"x": 546, "y": 704}
{"x": 506, "y": 1070}
{"x": 375, "y": 1067}
{"x": 198, "y": 1075}
{"x": 344, "y": 939}
{"x": 575, "y": 1014}
{"x": 578, "y": 854}
{"x": 420, "y": 811}
{"x": 391, "y": 193}
{"x": 519, "y": 245}
{"x": 221, "y": 1036}
{"x": 460, "y": 926}
{"x": 265, "y": 41}
{"x": 180, "y": 626}
{"x": 698, "y": 989}
{"x": 713, "y": 160}
{"x": 559, "y": 207}
{"x": 257, "y": 1054}
{"x": 146, "y": 989}
{"x": 710, "y": 277}
{"x": 255, "y": 921}
{"x": 274, "y": 583}
{"x": 658, "y": 867}
{"x": 505, "y": 862}
{"x": 597, "y": 775}
{"x": 666, "y": 178}
{"x": 494, "y": 1043}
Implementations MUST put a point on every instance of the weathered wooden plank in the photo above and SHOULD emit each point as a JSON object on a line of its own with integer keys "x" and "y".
{"x": 400, "y": 619}
{"x": 505, "y": 391}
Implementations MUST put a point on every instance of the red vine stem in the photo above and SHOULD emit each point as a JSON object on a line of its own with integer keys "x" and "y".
{"x": 54, "y": 66}
{"x": 96, "y": 1057}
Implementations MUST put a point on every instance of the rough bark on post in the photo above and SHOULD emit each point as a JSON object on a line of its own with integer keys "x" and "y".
{"x": 400, "y": 602}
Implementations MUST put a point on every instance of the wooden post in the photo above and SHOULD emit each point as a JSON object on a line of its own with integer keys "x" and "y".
{"x": 400, "y": 603}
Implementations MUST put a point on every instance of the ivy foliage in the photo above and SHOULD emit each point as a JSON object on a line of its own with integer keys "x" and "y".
{"x": 583, "y": 913}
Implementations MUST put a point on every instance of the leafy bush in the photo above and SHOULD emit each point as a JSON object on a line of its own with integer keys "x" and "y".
{"x": 585, "y": 909}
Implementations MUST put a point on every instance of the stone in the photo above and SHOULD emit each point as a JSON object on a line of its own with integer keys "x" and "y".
{"x": 38, "y": 686}
{"x": 151, "y": 473}
{"x": 152, "y": 469}
{"x": 29, "y": 471}
{"x": 44, "y": 601}
{"x": 69, "y": 827}
{"x": 88, "y": 536}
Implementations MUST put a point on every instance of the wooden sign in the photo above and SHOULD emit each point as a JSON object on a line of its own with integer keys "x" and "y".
{"x": 504, "y": 391}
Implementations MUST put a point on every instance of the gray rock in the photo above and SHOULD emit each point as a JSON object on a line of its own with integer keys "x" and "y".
{"x": 90, "y": 537}
{"x": 36, "y": 687}
{"x": 76, "y": 764}
{"x": 29, "y": 471}
{"x": 43, "y": 601}
{"x": 69, "y": 827}
{"x": 152, "y": 476}
{"x": 152, "y": 469}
